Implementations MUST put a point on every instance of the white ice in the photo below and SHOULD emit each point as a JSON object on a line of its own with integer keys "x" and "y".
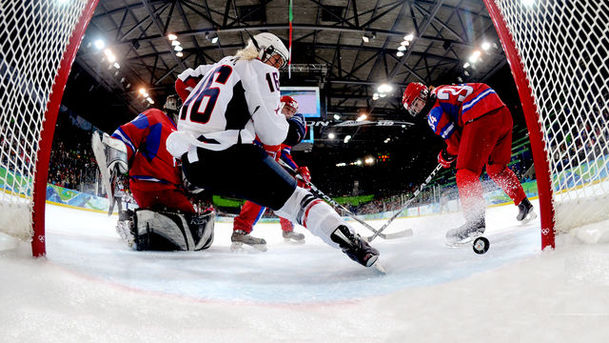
{"x": 92, "y": 288}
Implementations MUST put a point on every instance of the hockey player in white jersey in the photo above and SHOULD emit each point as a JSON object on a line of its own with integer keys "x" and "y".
{"x": 226, "y": 106}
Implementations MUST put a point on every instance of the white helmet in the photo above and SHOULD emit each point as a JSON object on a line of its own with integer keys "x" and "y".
{"x": 267, "y": 45}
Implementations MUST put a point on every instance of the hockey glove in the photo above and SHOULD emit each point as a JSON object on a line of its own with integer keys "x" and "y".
{"x": 297, "y": 130}
{"x": 303, "y": 176}
{"x": 445, "y": 159}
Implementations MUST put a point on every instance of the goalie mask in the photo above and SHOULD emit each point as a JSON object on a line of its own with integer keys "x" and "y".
{"x": 172, "y": 107}
{"x": 271, "y": 49}
{"x": 415, "y": 98}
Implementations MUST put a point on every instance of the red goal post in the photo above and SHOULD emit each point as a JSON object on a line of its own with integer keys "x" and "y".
{"x": 557, "y": 51}
{"x": 39, "y": 41}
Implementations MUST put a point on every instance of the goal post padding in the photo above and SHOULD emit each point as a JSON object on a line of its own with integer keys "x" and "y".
{"x": 40, "y": 39}
{"x": 559, "y": 56}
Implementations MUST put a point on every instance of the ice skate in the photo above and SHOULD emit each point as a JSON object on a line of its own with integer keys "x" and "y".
{"x": 293, "y": 237}
{"x": 125, "y": 227}
{"x": 465, "y": 233}
{"x": 526, "y": 213}
{"x": 239, "y": 238}
{"x": 354, "y": 246}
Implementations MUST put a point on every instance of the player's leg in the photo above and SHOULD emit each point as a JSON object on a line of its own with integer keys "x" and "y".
{"x": 247, "y": 171}
{"x": 503, "y": 176}
{"x": 477, "y": 140}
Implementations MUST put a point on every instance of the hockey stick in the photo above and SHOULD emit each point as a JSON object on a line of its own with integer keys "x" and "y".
{"x": 415, "y": 195}
{"x": 322, "y": 195}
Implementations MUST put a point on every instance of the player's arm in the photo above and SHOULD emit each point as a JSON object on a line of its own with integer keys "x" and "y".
{"x": 188, "y": 80}
{"x": 263, "y": 101}
{"x": 286, "y": 157}
{"x": 133, "y": 133}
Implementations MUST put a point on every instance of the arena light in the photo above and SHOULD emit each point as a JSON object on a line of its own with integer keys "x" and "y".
{"x": 384, "y": 88}
{"x": 175, "y": 42}
{"x": 179, "y": 54}
{"x": 401, "y": 48}
{"x": 485, "y": 46}
{"x": 475, "y": 56}
{"x": 110, "y": 55}
{"x": 362, "y": 117}
{"x": 375, "y": 96}
{"x": 466, "y": 65}
{"x": 342, "y": 164}
{"x": 399, "y": 53}
{"x": 116, "y": 65}
{"x": 143, "y": 92}
{"x": 149, "y": 99}
{"x": 369, "y": 160}
{"x": 367, "y": 37}
{"x": 409, "y": 37}
{"x": 172, "y": 37}
{"x": 358, "y": 162}
{"x": 99, "y": 44}
{"x": 347, "y": 139}
{"x": 331, "y": 135}
{"x": 178, "y": 48}
{"x": 336, "y": 117}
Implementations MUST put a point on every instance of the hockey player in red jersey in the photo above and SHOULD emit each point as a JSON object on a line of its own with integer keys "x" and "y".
{"x": 477, "y": 128}
{"x": 155, "y": 181}
{"x": 252, "y": 212}
{"x": 230, "y": 103}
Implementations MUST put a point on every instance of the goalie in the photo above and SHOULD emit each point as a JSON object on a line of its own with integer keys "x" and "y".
{"x": 166, "y": 219}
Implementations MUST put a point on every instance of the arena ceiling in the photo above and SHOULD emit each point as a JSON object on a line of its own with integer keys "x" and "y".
{"x": 345, "y": 47}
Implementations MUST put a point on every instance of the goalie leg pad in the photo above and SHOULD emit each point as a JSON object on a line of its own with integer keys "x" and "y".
{"x": 167, "y": 231}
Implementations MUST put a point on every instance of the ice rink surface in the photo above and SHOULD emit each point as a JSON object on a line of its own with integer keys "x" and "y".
{"x": 93, "y": 288}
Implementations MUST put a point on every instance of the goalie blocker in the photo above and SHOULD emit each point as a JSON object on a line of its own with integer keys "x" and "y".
{"x": 160, "y": 230}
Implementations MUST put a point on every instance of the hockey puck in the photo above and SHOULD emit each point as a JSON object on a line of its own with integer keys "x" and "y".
{"x": 481, "y": 245}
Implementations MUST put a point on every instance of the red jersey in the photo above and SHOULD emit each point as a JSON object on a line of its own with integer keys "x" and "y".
{"x": 147, "y": 154}
{"x": 457, "y": 105}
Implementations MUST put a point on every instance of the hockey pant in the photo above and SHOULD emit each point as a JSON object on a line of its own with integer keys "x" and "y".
{"x": 154, "y": 195}
{"x": 246, "y": 171}
{"x": 486, "y": 141}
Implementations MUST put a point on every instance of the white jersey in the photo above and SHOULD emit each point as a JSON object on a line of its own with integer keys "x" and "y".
{"x": 235, "y": 101}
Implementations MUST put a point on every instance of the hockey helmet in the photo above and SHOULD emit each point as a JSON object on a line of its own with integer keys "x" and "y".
{"x": 414, "y": 91}
{"x": 290, "y": 103}
{"x": 269, "y": 45}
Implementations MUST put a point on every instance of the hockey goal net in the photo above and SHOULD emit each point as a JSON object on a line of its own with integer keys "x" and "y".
{"x": 39, "y": 41}
{"x": 559, "y": 54}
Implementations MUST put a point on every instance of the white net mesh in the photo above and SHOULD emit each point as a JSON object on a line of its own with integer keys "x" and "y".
{"x": 564, "y": 48}
{"x": 33, "y": 38}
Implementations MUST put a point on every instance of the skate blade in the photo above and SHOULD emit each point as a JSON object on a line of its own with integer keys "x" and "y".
{"x": 462, "y": 243}
{"x": 241, "y": 247}
{"x": 528, "y": 218}
{"x": 378, "y": 267}
{"x": 294, "y": 242}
